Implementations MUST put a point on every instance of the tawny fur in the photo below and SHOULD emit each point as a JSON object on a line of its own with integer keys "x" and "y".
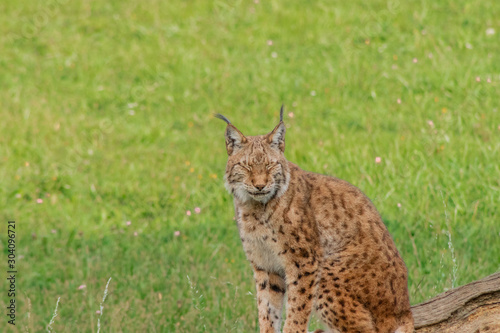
{"x": 315, "y": 238}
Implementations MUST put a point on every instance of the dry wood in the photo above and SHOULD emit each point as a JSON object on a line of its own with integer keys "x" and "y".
{"x": 473, "y": 308}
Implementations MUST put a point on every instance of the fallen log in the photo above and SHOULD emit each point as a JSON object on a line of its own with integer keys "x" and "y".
{"x": 473, "y": 308}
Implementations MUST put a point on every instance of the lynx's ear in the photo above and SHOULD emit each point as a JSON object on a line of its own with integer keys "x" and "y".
{"x": 234, "y": 138}
{"x": 277, "y": 137}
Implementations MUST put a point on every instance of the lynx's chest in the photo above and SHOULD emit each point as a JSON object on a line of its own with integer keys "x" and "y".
{"x": 260, "y": 239}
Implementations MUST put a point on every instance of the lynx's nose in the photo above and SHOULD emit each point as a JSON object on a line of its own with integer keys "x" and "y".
{"x": 260, "y": 187}
{"x": 259, "y": 180}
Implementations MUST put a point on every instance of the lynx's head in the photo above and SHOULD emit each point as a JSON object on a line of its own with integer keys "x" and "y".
{"x": 256, "y": 167}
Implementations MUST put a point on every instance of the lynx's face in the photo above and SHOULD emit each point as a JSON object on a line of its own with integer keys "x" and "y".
{"x": 256, "y": 167}
{"x": 256, "y": 172}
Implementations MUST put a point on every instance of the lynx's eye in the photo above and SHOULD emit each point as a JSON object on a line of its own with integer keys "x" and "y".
{"x": 247, "y": 167}
{"x": 271, "y": 166}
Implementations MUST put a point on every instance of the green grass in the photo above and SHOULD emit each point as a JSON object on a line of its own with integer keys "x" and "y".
{"x": 106, "y": 115}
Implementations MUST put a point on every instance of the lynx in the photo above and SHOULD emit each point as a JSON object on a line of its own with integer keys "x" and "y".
{"x": 315, "y": 238}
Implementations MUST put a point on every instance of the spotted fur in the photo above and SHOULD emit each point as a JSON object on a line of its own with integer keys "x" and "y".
{"x": 314, "y": 238}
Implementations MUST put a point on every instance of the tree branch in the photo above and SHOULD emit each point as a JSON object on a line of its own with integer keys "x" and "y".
{"x": 472, "y": 308}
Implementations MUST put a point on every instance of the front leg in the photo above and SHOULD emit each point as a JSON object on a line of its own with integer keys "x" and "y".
{"x": 270, "y": 296}
{"x": 302, "y": 284}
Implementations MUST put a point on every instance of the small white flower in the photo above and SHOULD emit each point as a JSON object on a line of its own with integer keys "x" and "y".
{"x": 490, "y": 32}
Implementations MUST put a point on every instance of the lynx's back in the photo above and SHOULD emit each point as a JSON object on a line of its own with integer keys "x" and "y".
{"x": 315, "y": 237}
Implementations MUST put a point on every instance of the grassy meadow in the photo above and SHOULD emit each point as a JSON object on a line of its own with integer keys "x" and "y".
{"x": 112, "y": 164}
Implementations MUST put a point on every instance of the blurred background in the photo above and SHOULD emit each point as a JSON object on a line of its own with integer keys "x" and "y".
{"x": 112, "y": 164}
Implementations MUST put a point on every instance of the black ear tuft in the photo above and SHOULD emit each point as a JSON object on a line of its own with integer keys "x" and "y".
{"x": 281, "y": 112}
{"x": 218, "y": 115}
